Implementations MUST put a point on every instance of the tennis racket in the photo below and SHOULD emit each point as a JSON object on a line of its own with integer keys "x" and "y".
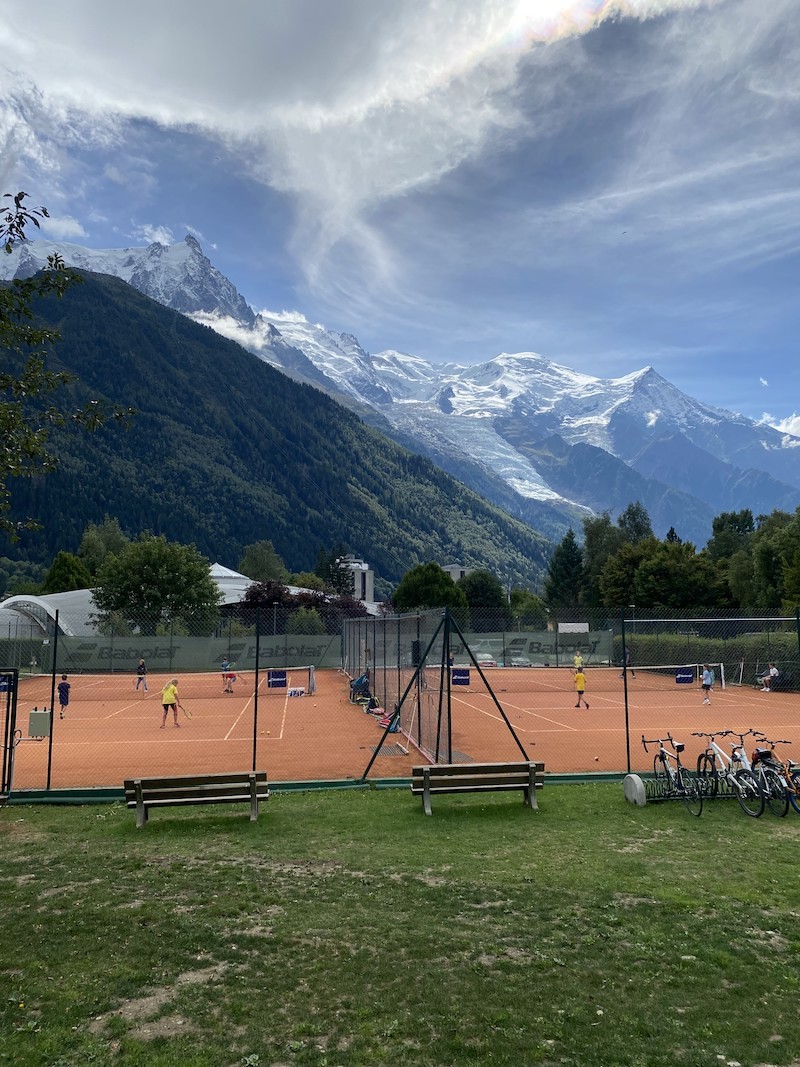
{"x": 185, "y": 711}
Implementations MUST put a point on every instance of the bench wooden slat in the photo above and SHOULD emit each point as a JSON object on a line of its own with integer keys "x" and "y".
{"x": 191, "y": 780}
{"x": 477, "y": 778}
{"x": 444, "y": 769}
{"x": 518, "y": 781}
{"x": 241, "y": 787}
{"x": 155, "y": 792}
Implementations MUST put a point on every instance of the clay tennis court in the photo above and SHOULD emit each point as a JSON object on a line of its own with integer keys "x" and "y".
{"x": 112, "y": 732}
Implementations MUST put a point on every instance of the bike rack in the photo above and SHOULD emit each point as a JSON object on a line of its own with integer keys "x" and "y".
{"x": 656, "y": 790}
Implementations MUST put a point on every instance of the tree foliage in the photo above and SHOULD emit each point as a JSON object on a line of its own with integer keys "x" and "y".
{"x": 154, "y": 583}
{"x": 562, "y": 586}
{"x": 429, "y": 586}
{"x": 305, "y": 621}
{"x": 67, "y": 572}
{"x": 486, "y": 600}
{"x": 275, "y": 605}
{"x": 601, "y": 540}
{"x": 332, "y": 568}
{"x": 262, "y": 563}
{"x": 634, "y": 522}
{"x": 528, "y": 610}
{"x": 99, "y": 541}
{"x": 27, "y": 419}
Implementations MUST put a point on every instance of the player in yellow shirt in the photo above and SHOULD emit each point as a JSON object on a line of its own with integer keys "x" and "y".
{"x": 169, "y": 699}
{"x": 580, "y": 688}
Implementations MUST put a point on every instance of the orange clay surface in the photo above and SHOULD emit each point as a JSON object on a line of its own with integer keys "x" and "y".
{"x": 111, "y": 732}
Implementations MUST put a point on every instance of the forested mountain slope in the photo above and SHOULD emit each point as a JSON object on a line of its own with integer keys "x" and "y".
{"x": 225, "y": 450}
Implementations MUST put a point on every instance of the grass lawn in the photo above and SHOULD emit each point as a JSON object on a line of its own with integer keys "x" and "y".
{"x": 346, "y": 928}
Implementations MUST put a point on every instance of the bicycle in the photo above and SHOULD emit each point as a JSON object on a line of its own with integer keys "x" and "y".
{"x": 787, "y": 770}
{"x": 768, "y": 779}
{"x": 714, "y": 767}
{"x": 672, "y": 779}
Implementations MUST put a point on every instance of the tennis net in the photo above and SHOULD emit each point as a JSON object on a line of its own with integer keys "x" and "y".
{"x": 531, "y": 681}
{"x": 191, "y": 686}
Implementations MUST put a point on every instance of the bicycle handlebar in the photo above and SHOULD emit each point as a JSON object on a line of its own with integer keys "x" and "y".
{"x": 741, "y": 737}
{"x": 658, "y": 741}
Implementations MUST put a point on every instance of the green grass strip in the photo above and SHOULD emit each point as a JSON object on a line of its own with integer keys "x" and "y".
{"x": 345, "y": 928}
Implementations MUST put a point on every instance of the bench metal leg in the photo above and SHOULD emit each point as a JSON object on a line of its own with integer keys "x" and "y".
{"x": 141, "y": 810}
{"x": 253, "y": 799}
{"x": 530, "y": 793}
{"x": 426, "y": 791}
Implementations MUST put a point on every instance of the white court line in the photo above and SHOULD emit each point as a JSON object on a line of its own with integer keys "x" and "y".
{"x": 133, "y": 704}
{"x": 236, "y": 720}
{"x": 285, "y": 712}
{"x": 183, "y": 738}
{"x": 499, "y": 718}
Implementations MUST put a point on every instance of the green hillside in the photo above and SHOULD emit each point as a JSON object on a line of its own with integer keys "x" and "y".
{"x": 225, "y": 451}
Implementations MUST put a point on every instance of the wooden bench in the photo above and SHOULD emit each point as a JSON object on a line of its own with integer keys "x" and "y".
{"x": 242, "y": 787}
{"x": 477, "y": 778}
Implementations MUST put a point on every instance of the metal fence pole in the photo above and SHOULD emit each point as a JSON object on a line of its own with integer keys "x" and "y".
{"x": 625, "y": 691}
{"x": 52, "y": 705}
{"x": 255, "y": 693}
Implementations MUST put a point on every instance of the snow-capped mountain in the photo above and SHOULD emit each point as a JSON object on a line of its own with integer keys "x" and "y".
{"x": 545, "y": 442}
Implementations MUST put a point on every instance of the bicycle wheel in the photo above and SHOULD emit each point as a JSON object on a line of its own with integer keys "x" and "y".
{"x": 689, "y": 791}
{"x": 749, "y": 793}
{"x": 794, "y": 792}
{"x": 707, "y": 777}
{"x": 660, "y": 779}
{"x": 775, "y": 791}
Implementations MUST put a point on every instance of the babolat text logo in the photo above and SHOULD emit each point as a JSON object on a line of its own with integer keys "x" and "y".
{"x": 109, "y": 652}
{"x": 294, "y": 653}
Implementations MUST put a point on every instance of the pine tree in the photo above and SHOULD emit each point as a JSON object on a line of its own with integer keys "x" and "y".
{"x": 563, "y": 582}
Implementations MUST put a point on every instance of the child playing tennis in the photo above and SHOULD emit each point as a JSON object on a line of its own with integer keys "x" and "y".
{"x": 141, "y": 674}
{"x": 580, "y": 688}
{"x": 228, "y": 676}
{"x": 63, "y": 695}
{"x": 169, "y": 700}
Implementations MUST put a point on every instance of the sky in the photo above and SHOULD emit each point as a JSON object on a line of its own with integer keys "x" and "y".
{"x": 613, "y": 184}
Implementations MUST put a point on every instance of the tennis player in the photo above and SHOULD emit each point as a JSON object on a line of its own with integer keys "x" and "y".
{"x": 580, "y": 688}
{"x": 169, "y": 700}
{"x": 63, "y": 695}
{"x": 228, "y": 676}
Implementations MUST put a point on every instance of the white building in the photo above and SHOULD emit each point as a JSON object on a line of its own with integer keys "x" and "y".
{"x": 456, "y": 571}
{"x": 363, "y": 579}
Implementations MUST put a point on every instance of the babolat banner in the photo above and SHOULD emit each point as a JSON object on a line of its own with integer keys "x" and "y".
{"x": 539, "y": 649}
{"x": 196, "y": 653}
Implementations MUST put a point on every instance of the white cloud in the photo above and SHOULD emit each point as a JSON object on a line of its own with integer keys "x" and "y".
{"x": 790, "y": 425}
{"x": 62, "y": 228}
{"x": 377, "y": 102}
{"x": 149, "y": 233}
{"x": 451, "y": 174}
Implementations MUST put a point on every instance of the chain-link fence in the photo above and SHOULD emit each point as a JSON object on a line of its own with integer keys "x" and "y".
{"x": 459, "y": 695}
{"x": 583, "y": 697}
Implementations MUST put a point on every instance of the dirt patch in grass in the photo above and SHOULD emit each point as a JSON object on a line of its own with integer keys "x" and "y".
{"x": 148, "y": 1007}
{"x": 167, "y": 1026}
{"x": 625, "y": 900}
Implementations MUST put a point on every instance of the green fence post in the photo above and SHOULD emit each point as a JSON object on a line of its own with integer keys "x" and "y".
{"x": 625, "y": 692}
